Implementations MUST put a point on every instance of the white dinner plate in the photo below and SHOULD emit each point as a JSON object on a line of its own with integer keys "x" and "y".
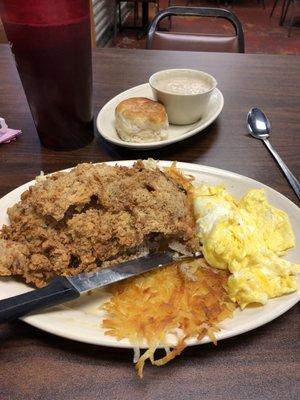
{"x": 176, "y": 133}
{"x": 81, "y": 319}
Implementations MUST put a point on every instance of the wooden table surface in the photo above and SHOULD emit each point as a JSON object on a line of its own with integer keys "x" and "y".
{"x": 261, "y": 364}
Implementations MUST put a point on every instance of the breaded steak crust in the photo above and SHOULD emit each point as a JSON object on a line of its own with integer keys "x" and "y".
{"x": 91, "y": 217}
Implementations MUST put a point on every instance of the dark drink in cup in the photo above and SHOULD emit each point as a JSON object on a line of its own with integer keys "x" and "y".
{"x": 51, "y": 42}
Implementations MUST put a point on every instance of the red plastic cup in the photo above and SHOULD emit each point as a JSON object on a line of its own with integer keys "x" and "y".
{"x": 51, "y": 42}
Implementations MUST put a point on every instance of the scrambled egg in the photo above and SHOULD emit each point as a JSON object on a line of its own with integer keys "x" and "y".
{"x": 247, "y": 237}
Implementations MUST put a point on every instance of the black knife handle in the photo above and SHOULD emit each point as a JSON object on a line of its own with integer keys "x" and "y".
{"x": 58, "y": 291}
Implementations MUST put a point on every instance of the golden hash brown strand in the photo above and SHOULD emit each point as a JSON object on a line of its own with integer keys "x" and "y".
{"x": 92, "y": 217}
{"x": 189, "y": 296}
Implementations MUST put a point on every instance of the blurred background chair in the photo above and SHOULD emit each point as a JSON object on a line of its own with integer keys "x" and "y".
{"x": 286, "y": 6}
{"x": 196, "y": 41}
{"x": 118, "y": 12}
{"x": 284, "y": 3}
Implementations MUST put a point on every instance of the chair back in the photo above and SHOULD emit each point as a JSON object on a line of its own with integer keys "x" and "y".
{"x": 168, "y": 40}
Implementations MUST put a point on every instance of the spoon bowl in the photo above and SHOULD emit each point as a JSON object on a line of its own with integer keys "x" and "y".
{"x": 258, "y": 124}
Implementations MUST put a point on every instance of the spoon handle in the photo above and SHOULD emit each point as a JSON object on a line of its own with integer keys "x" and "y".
{"x": 289, "y": 176}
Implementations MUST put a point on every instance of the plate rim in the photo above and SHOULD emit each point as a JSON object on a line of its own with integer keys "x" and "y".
{"x": 37, "y": 319}
{"x": 157, "y": 144}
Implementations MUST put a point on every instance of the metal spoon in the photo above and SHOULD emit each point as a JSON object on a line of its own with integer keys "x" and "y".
{"x": 259, "y": 127}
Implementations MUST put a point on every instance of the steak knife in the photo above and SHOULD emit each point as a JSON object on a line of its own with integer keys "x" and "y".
{"x": 62, "y": 289}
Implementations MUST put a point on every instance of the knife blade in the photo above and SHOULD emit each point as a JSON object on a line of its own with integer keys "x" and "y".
{"x": 62, "y": 289}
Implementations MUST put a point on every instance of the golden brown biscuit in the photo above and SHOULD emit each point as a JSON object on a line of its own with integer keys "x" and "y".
{"x": 139, "y": 119}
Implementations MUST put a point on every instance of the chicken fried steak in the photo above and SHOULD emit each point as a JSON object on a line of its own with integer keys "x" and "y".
{"x": 91, "y": 217}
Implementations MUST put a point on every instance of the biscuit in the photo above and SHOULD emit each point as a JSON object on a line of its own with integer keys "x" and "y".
{"x": 139, "y": 119}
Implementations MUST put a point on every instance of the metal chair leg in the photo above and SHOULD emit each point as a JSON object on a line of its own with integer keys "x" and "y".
{"x": 287, "y": 9}
{"x": 273, "y": 8}
{"x": 292, "y": 19}
{"x": 284, "y": 10}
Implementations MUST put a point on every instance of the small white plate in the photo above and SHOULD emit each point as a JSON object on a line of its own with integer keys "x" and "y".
{"x": 81, "y": 319}
{"x": 106, "y": 119}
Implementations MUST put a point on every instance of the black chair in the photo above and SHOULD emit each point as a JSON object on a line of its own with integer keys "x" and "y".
{"x": 193, "y": 41}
